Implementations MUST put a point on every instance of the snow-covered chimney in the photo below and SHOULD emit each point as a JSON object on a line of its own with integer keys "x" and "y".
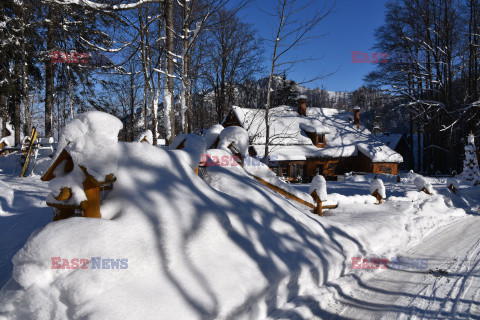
{"x": 302, "y": 105}
{"x": 356, "y": 116}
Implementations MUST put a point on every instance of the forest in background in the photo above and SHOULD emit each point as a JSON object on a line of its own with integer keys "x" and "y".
{"x": 177, "y": 66}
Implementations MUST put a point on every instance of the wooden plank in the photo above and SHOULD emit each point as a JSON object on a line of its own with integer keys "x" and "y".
{"x": 64, "y": 206}
{"x": 91, "y": 207}
{"x": 65, "y": 213}
{"x": 65, "y": 194}
{"x": 284, "y": 193}
{"x": 64, "y": 155}
{"x": 332, "y": 206}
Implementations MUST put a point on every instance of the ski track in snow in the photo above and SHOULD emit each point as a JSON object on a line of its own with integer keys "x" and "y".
{"x": 406, "y": 294}
{"x": 423, "y": 294}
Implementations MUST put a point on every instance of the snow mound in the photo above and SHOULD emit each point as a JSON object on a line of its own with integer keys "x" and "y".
{"x": 453, "y": 182}
{"x": 420, "y": 183}
{"x": 236, "y": 138}
{"x": 73, "y": 180}
{"x": 169, "y": 246}
{"x": 91, "y": 139}
{"x": 145, "y": 136}
{"x": 9, "y": 140}
{"x": 319, "y": 185}
{"x": 190, "y": 147}
{"x": 212, "y": 134}
{"x": 377, "y": 184}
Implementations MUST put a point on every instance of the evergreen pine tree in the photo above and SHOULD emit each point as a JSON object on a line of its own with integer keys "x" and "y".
{"x": 286, "y": 93}
{"x": 471, "y": 171}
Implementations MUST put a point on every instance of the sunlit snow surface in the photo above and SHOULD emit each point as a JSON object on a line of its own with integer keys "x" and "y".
{"x": 224, "y": 247}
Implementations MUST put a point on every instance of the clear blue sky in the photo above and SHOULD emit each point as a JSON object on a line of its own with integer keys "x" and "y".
{"x": 349, "y": 28}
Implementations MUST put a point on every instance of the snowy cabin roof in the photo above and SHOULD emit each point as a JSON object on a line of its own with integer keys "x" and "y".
{"x": 289, "y": 141}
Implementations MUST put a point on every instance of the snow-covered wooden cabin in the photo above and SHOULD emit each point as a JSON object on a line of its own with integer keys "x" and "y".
{"x": 309, "y": 141}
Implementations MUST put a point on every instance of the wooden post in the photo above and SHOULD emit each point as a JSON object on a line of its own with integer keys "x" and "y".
{"x": 65, "y": 194}
{"x": 377, "y": 195}
{"x": 91, "y": 207}
{"x": 426, "y": 191}
{"x": 452, "y": 188}
{"x": 62, "y": 213}
{"x": 319, "y": 208}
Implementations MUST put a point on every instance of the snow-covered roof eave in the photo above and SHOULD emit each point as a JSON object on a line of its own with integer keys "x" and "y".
{"x": 379, "y": 153}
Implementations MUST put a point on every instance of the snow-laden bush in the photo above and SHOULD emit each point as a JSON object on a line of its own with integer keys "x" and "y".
{"x": 377, "y": 184}
{"x": 235, "y": 138}
{"x": 319, "y": 185}
{"x": 212, "y": 134}
{"x": 145, "y": 136}
{"x": 421, "y": 183}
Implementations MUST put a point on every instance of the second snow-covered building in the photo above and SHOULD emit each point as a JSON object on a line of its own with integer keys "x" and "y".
{"x": 305, "y": 141}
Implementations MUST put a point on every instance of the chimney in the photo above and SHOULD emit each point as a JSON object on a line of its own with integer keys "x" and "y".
{"x": 356, "y": 116}
{"x": 302, "y": 105}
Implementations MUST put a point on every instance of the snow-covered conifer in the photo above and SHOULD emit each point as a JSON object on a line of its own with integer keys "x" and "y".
{"x": 471, "y": 172}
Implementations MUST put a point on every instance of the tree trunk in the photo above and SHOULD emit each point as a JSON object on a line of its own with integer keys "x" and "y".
{"x": 170, "y": 43}
{"x": 132, "y": 104}
{"x": 15, "y": 99}
{"x": 70, "y": 91}
{"x": 3, "y": 110}
{"x": 49, "y": 74}
{"x": 25, "y": 93}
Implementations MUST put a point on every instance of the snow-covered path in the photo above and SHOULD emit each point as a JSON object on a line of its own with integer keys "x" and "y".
{"x": 423, "y": 294}
{"x": 22, "y": 210}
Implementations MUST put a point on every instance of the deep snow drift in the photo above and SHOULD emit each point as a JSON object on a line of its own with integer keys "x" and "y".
{"x": 188, "y": 248}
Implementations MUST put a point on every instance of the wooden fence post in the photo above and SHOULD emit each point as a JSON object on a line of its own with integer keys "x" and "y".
{"x": 377, "y": 195}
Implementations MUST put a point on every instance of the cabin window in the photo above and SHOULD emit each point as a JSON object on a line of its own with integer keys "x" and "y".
{"x": 319, "y": 169}
{"x": 296, "y": 169}
{"x": 282, "y": 170}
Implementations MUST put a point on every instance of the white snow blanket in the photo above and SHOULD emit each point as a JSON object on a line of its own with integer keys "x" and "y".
{"x": 192, "y": 150}
{"x": 173, "y": 246}
{"x": 212, "y": 134}
{"x": 235, "y": 138}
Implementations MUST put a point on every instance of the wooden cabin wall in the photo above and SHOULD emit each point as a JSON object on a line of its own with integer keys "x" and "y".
{"x": 231, "y": 120}
{"x": 362, "y": 163}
